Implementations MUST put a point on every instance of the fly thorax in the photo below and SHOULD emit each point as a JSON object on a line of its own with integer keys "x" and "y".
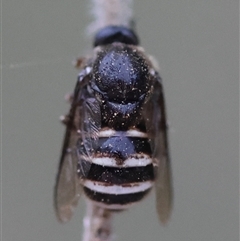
{"x": 121, "y": 83}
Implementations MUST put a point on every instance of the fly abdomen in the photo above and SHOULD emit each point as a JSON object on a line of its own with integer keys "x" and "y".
{"x": 122, "y": 148}
{"x": 117, "y": 188}
{"x": 121, "y": 170}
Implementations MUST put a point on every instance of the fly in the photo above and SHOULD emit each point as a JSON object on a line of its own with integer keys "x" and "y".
{"x": 115, "y": 148}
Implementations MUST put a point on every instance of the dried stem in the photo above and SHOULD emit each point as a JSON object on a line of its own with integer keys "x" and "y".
{"x": 110, "y": 12}
{"x": 97, "y": 223}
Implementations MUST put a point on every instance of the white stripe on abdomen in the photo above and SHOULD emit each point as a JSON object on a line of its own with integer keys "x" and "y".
{"x": 140, "y": 160}
{"x": 118, "y": 189}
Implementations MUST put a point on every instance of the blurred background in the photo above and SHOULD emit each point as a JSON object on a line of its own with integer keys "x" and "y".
{"x": 196, "y": 44}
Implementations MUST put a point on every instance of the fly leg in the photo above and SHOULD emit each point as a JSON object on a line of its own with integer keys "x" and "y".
{"x": 65, "y": 118}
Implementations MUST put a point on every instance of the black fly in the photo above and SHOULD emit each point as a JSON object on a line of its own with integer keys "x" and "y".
{"x": 116, "y": 147}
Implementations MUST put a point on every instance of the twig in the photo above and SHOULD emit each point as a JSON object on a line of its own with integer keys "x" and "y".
{"x": 97, "y": 223}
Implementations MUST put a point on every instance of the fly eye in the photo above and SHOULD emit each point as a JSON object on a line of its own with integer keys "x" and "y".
{"x": 113, "y": 34}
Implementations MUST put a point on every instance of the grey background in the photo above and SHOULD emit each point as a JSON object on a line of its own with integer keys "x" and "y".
{"x": 196, "y": 44}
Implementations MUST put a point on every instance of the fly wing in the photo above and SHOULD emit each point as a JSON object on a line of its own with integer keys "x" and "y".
{"x": 89, "y": 128}
{"x": 67, "y": 189}
{"x": 156, "y": 123}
